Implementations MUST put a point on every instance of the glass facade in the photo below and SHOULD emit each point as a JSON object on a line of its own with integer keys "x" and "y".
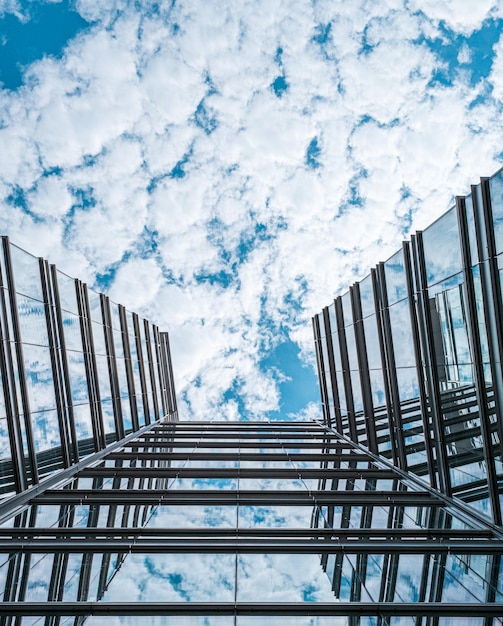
{"x": 426, "y": 383}
{"x": 385, "y": 513}
{"x": 77, "y": 371}
{"x": 419, "y": 352}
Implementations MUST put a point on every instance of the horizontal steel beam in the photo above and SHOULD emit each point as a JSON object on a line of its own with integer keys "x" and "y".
{"x": 218, "y": 443}
{"x": 385, "y": 609}
{"x": 239, "y": 456}
{"x": 244, "y": 437}
{"x": 140, "y": 545}
{"x": 235, "y": 497}
{"x": 237, "y": 472}
{"x": 129, "y": 533}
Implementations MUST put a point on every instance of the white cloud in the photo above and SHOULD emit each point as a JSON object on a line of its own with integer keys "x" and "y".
{"x": 249, "y": 240}
{"x": 461, "y": 16}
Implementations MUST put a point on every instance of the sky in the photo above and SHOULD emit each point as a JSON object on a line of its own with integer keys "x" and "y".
{"x": 226, "y": 168}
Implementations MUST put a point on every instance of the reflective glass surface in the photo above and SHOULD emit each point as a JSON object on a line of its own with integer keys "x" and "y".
{"x": 442, "y": 249}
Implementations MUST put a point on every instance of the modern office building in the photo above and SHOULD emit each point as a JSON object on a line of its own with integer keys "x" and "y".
{"x": 410, "y": 369}
{"x": 387, "y": 512}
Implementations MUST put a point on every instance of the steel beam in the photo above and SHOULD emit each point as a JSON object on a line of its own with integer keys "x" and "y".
{"x": 148, "y": 609}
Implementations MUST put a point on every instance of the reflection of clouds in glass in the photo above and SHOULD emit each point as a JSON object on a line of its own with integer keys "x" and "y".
{"x": 32, "y": 321}
{"x": 67, "y": 293}
{"x": 442, "y": 248}
{"x": 204, "y": 483}
{"x": 71, "y": 330}
{"x": 39, "y": 378}
{"x": 298, "y": 620}
{"x": 282, "y": 578}
{"x": 394, "y": 271}
{"x": 408, "y": 387}
{"x": 271, "y": 484}
{"x": 401, "y": 330}
{"x": 163, "y": 620}
{"x": 174, "y": 578}
{"x": 408, "y": 580}
{"x": 78, "y": 379}
{"x": 39, "y": 578}
{"x": 496, "y": 186}
{"x": 45, "y": 430}
{"x": 26, "y": 272}
{"x": 274, "y": 517}
{"x": 193, "y": 516}
{"x": 83, "y": 425}
{"x": 465, "y": 578}
{"x": 4, "y": 439}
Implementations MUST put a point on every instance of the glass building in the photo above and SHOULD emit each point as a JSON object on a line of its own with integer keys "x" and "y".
{"x": 410, "y": 370}
{"x": 386, "y": 512}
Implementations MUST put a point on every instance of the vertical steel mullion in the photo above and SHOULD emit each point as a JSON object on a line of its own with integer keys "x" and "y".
{"x": 321, "y": 372}
{"x": 346, "y": 373}
{"x": 87, "y": 558}
{"x": 98, "y": 413}
{"x": 361, "y": 352}
{"x": 423, "y": 398}
{"x": 84, "y": 333}
{"x": 494, "y": 577}
{"x": 491, "y": 294}
{"x": 331, "y": 366}
{"x": 58, "y": 380}
{"x": 32, "y": 456}
{"x": 379, "y": 307}
{"x": 20, "y": 478}
{"x": 478, "y": 369}
{"x": 67, "y": 389}
{"x": 148, "y": 338}
{"x": 112, "y": 366}
{"x": 160, "y": 371}
{"x": 169, "y": 367}
{"x": 141, "y": 368}
{"x": 129, "y": 368}
{"x": 426, "y": 333}
{"x": 395, "y": 416}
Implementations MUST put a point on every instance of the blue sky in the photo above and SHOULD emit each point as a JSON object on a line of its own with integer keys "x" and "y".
{"x": 226, "y": 168}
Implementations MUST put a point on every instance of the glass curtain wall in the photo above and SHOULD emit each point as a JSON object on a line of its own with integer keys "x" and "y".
{"x": 426, "y": 327}
{"x": 245, "y": 523}
{"x": 77, "y": 371}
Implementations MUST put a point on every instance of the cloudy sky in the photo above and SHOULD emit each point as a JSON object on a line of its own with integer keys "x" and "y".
{"x": 225, "y": 168}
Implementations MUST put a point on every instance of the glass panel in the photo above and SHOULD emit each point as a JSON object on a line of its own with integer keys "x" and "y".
{"x": 282, "y": 577}
{"x": 442, "y": 249}
{"x": 346, "y": 309}
{"x": 67, "y": 293}
{"x": 496, "y": 188}
{"x": 472, "y": 236}
{"x": 5, "y": 453}
{"x": 83, "y": 426}
{"x": 372, "y": 343}
{"x": 32, "y": 321}
{"x": 174, "y": 578}
{"x": 367, "y": 297}
{"x": 39, "y": 378}
{"x": 394, "y": 270}
{"x": 408, "y": 387}
{"x": 401, "y": 330}
{"x": 78, "y": 378}
{"x": 95, "y": 306}
{"x": 103, "y": 377}
{"x": 26, "y": 270}
{"x": 99, "y": 338}
{"x": 71, "y": 330}
{"x": 45, "y": 430}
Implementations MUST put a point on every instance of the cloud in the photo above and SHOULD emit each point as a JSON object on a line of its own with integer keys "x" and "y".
{"x": 155, "y": 160}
